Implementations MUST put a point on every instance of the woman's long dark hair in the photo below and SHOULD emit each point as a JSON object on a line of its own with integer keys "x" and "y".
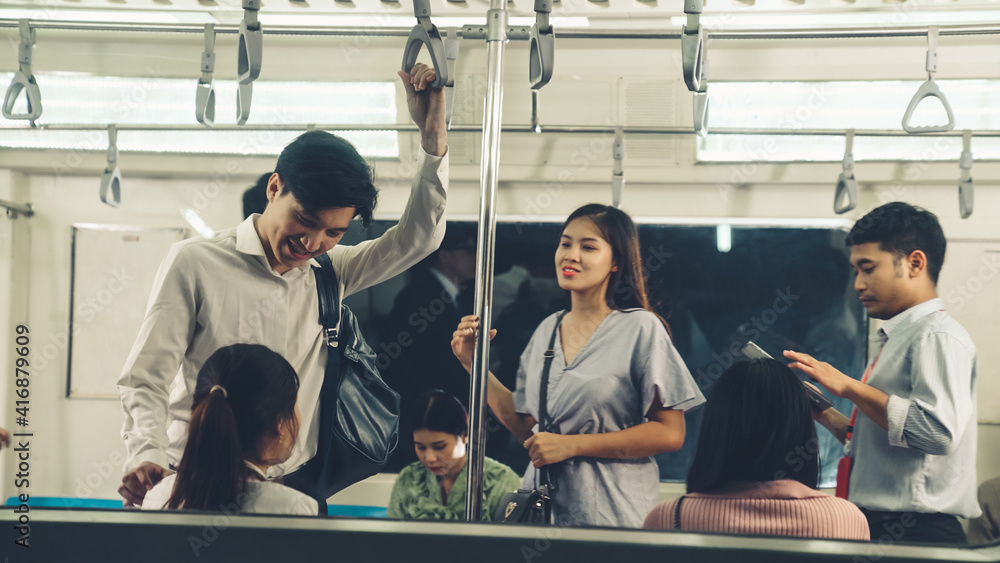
{"x": 757, "y": 426}
{"x": 438, "y": 411}
{"x": 627, "y": 285}
{"x": 228, "y": 427}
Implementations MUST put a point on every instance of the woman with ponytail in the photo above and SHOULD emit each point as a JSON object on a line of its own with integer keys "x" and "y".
{"x": 617, "y": 387}
{"x": 244, "y": 419}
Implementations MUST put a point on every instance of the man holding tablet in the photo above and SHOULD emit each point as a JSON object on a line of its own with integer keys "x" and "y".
{"x": 911, "y": 439}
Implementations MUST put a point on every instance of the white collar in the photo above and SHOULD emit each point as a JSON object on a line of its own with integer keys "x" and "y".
{"x": 256, "y": 470}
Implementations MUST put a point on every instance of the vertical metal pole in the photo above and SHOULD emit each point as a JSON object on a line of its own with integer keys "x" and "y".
{"x": 496, "y": 39}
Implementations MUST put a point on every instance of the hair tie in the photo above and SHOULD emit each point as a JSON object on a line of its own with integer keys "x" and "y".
{"x": 220, "y": 388}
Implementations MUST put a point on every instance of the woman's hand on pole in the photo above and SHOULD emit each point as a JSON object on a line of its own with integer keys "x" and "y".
{"x": 463, "y": 340}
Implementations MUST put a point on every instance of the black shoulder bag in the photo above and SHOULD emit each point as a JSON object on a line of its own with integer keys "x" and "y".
{"x": 534, "y": 506}
{"x": 359, "y": 413}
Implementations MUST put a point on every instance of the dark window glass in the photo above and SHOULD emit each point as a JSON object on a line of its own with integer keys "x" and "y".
{"x": 783, "y": 288}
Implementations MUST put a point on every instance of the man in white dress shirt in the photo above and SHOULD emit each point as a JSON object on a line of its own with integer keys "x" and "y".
{"x": 254, "y": 284}
{"x": 913, "y": 437}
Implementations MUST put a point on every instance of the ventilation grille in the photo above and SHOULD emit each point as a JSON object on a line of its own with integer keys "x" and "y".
{"x": 650, "y": 103}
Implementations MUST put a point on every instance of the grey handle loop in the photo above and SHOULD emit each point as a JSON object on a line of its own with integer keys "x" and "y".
{"x": 693, "y": 45}
{"x": 929, "y": 89}
{"x": 251, "y": 44}
{"x": 966, "y": 187}
{"x": 846, "y": 196}
{"x": 426, "y": 33}
{"x": 23, "y": 80}
{"x": 541, "y": 46}
{"x": 451, "y": 48}
{"x": 699, "y": 103}
{"x": 111, "y": 179}
{"x": 205, "y": 93}
{"x": 244, "y": 95}
{"x": 618, "y": 176}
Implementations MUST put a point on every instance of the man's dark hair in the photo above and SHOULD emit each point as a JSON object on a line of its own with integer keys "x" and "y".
{"x": 324, "y": 171}
{"x": 901, "y": 228}
{"x": 255, "y": 198}
{"x": 758, "y": 427}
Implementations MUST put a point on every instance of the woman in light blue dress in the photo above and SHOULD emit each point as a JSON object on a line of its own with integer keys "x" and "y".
{"x": 618, "y": 388}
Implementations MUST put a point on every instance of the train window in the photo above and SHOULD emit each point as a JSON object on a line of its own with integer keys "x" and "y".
{"x": 89, "y": 100}
{"x": 775, "y": 106}
{"x": 784, "y": 285}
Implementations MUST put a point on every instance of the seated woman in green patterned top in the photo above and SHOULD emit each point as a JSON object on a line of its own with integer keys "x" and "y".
{"x": 434, "y": 487}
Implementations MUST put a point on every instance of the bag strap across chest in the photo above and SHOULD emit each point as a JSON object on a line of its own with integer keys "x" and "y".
{"x": 544, "y": 423}
{"x": 329, "y": 299}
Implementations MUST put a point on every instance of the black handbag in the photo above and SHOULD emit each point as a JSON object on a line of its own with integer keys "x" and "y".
{"x": 359, "y": 413}
{"x": 534, "y": 506}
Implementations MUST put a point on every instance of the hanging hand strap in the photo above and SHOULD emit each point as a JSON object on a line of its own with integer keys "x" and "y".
{"x": 543, "y": 395}
{"x": 205, "y": 94}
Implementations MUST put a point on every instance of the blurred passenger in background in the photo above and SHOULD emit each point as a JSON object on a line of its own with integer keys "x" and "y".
{"x": 255, "y": 197}
{"x": 415, "y": 354}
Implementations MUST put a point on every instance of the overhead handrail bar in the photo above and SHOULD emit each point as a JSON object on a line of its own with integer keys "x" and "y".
{"x": 879, "y": 32}
{"x": 693, "y": 45}
{"x": 699, "y": 104}
{"x": 249, "y": 58}
{"x": 541, "y": 46}
{"x": 205, "y": 93}
{"x": 16, "y": 209}
{"x": 929, "y": 89}
{"x": 966, "y": 187}
{"x": 476, "y": 128}
{"x": 425, "y": 33}
{"x": 618, "y": 175}
{"x": 111, "y": 179}
{"x": 847, "y": 184}
{"x": 24, "y": 79}
{"x": 451, "y": 48}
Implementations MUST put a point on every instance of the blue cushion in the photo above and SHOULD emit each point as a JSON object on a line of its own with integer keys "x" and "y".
{"x": 67, "y": 502}
{"x": 356, "y": 511}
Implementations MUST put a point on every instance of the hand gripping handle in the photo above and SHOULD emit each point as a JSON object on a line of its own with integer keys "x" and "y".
{"x": 426, "y": 33}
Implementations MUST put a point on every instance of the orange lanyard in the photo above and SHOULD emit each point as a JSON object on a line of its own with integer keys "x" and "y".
{"x": 864, "y": 379}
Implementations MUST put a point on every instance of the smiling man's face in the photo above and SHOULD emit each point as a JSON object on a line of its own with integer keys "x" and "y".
{"x": 291, "y": 236}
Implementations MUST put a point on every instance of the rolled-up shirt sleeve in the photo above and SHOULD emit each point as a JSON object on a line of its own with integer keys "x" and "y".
{"x": 155, "y": 359}
{"x": 935, "y": 415}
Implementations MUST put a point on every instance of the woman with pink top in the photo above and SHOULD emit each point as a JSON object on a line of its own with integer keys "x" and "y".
{"x": 756, "y": 465}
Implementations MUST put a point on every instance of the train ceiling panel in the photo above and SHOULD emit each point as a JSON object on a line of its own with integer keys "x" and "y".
{"x": 719, "y": 15}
